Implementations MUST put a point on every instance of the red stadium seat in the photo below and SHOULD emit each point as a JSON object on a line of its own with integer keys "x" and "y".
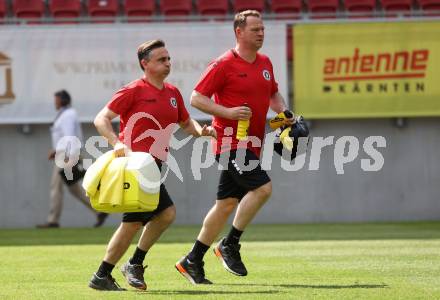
{"x": 286, "y": 6}
{"x": 65, "y": 9}
{"x": 3, "y": 9}
{"x": 391, "y": 7}
{"x": 176, "y": 7}
{"x": 139, "y": 8}
{"x": 430, "y": 7}
{"x": 240, "y": 5}
{"x": 102, "y": 8}
{"x": 28, "y": 9}
{"x": 327, "y": 7}
{"x": 212, "y": 7}
{"x": 362, "y": 8}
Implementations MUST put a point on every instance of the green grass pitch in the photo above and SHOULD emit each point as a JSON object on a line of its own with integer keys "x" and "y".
{"x": 325, "y": 261}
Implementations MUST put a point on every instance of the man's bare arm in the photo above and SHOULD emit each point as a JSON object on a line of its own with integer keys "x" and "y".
{"x": 277, "y": 103}
{"x": 103, "y": 123}
{"x": 208, "y": 106}
{"x": 193, "y": 127}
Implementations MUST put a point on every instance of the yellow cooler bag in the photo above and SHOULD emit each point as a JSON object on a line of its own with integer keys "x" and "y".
{"x": 128, "y": 184}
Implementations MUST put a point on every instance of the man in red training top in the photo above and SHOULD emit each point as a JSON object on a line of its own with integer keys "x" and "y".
{"x": 164, "y": 104}
{"x": 243, "y": 86}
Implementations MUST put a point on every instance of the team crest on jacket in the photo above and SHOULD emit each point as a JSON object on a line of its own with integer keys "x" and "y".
{"x": 173, "y": 102}
{"x": 266, "y": 75}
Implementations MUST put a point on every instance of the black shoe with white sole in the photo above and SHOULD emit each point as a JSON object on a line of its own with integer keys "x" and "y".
{"x": 229, "y": 254}
{"x": 193, "y": 271}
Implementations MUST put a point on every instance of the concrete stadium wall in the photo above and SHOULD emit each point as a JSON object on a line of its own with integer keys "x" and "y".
{"x": 406, "y": 188}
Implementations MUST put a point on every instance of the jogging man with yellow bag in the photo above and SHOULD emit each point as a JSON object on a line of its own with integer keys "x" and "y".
{"x": 163, "y": 104}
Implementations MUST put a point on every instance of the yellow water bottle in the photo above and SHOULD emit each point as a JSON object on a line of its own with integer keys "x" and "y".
{"x": 242, "y": 128}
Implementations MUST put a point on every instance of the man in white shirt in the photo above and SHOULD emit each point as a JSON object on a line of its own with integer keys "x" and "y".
{"x": 66, "y": 124}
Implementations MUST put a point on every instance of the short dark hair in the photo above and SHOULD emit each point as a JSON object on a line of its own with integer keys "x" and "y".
{"x": 64, "y": 97}
{"x": 145, "y": 49}
{"x": 241, "y": 17}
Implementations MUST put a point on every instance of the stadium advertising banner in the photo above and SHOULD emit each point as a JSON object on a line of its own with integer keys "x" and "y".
{"x": 367, "y": 70}
{"x": 93, "y": 61}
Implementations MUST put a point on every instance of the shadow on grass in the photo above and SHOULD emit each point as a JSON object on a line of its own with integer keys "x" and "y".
{"x": 274, "y": 286}
{"x": 312, "y": 286}
{"x": 255, "y": 233}
{"x": 206, "y": 292}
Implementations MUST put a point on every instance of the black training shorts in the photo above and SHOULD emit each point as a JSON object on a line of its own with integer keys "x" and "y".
{"x": 144, "y": 217}
{"x": 235, "y": 180}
